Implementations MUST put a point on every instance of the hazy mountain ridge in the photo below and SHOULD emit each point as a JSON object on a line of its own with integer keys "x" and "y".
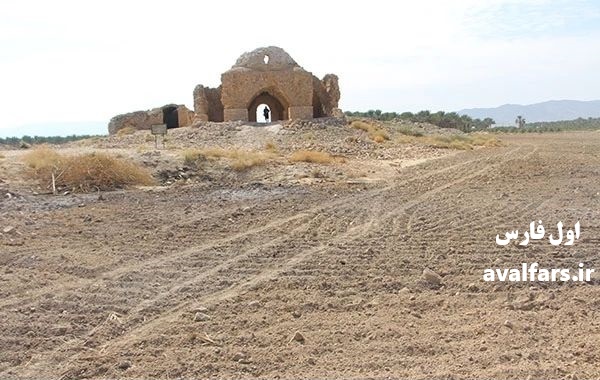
{"x": 553, "y": 110}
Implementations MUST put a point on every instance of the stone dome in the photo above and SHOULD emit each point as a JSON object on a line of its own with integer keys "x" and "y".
{"x": 265, "y": 59}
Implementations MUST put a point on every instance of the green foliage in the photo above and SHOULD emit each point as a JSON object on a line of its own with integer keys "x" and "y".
{"x": 441, "y": 119}
{"x": 580, "y": 124}
{"x": 17, "y": 141}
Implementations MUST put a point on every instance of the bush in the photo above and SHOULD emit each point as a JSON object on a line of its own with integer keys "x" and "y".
{"x": 441, "y": 119}
{"x": 27, "y": 141}
{"x": 483, "y": 139}
{"x": 239, "y": 159}
{"x": 361, "y": 125}
{"x": 271, "y": 146}
{"x": 408, "y": 131}
{"x": 459, "y": 142}
{"x": 87, "y": 172}
{"x": 312, "y": 157}
{"x": 375, "y": 133}
{"x": 126, "y": 131}
{"x": 193, "y": 157}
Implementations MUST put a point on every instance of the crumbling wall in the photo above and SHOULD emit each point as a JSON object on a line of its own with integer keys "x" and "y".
{"x": 142, "y": 120}
{"x": 200, "y": 103}
{"x": 207, "y": 104}
{"x": 292, "y": 88}
{"x": 266, "y": 70}
{"x": 215, "y": 107}
{"x": 326, "y": 96}
{"x": 264, "y": 73}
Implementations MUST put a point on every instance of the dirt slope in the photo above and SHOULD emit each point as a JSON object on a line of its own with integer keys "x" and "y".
{"x": 215, "y": 281}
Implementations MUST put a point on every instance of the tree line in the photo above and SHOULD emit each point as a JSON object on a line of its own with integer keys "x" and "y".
{"x": 579, "y": 124}
{"x": 18, "y": 141}
{"x": 441, "y": 119}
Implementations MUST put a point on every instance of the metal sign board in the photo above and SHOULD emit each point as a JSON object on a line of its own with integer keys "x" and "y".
{"x": 159, "y": 129}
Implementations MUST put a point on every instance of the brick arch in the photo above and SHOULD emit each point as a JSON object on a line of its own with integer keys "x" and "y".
{"x": 279, "y": 108}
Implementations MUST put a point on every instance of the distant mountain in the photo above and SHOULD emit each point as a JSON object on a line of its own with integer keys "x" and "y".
{"x": 553, "y": 110}
{"x": 56, "y": 129}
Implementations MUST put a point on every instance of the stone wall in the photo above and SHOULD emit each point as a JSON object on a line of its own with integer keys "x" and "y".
{"x": 290, "y": 87}
{"x": 326, "y": 95}
{"x": 143, "y": 120}
{"x": 266, "y": 74}
{"x": 207, "y": 104}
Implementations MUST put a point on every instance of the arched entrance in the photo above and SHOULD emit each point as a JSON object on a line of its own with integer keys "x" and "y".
{"x": 277, "y": 110}
{"x": 263, "y": 116}
{"x": 170, "y": 117}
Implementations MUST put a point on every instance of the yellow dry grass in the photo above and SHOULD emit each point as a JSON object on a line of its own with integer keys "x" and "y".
{"x": 271, "y": 146}
{"x": 374, "y": 132}
{"x": 126, "y": 131}
{"x": 312, "y": 157}
{"x": 239, "y": 159}
{"x": 458, "y": 142}
{"x": 85, "y": 172}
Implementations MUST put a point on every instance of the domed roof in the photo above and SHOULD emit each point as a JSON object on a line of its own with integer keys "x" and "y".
{"x": 265, "y": 59}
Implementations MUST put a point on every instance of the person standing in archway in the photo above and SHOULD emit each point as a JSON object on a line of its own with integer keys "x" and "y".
{"x": 266, "y": 113}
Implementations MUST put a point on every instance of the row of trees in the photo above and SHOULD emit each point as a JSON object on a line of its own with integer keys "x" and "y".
{"x": 554, "y": 126}
{"x": 16, "y": 141}
{"x": 441, "y": 119}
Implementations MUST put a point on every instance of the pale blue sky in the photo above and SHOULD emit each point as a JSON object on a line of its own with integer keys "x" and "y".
{"x": 65, "y": 62}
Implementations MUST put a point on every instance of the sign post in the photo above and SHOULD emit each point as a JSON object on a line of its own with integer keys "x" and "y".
{"x": 159, "y": 130}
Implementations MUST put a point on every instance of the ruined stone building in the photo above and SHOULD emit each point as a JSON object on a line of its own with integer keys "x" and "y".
{"x": 266, "y": 76}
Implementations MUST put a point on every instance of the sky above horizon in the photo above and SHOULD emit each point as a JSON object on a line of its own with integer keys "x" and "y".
{"x": 73, "y": 61}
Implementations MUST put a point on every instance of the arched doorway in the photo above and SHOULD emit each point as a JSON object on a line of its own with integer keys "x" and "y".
{"x": 261, "y": 115}
{"x": 277, "y": 110}
{"x": 170, "y": 117}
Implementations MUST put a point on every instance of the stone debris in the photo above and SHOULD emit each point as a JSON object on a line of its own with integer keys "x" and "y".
{"x": 124, "y": 365}
{"x": 201, "y": 317}
{"x": 431, "y": 277}
{"x": 404, "y": 290}
{"x": 298, "y": 337}
{"x": 241, "y": 358}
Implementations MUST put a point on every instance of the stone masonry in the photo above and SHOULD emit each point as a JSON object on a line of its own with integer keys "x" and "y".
{"x": 263, "y": 76}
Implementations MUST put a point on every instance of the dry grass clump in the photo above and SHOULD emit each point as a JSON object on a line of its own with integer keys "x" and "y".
{"x": 312, "y": 157}
{"x": 42, "y": 157}
{"x": 408, "y": 131}
{"x": 126, "y": 131}
{"x": 375, "y": 133}
{"x": 357, "y": 124}
{"x": 271, "y": 147}
{"x": 86, "y": 172}
{"x": 484, "y": 139}
{"x": 239, "y": 159}
{"x": 459, "y": 142}
{"x": 193, "y": 157}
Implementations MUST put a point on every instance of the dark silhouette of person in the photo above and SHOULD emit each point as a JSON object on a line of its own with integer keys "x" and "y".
{"x": 266, "y": 113}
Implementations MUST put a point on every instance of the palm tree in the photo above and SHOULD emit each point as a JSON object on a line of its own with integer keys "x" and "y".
{"x": 520, "y": 122}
